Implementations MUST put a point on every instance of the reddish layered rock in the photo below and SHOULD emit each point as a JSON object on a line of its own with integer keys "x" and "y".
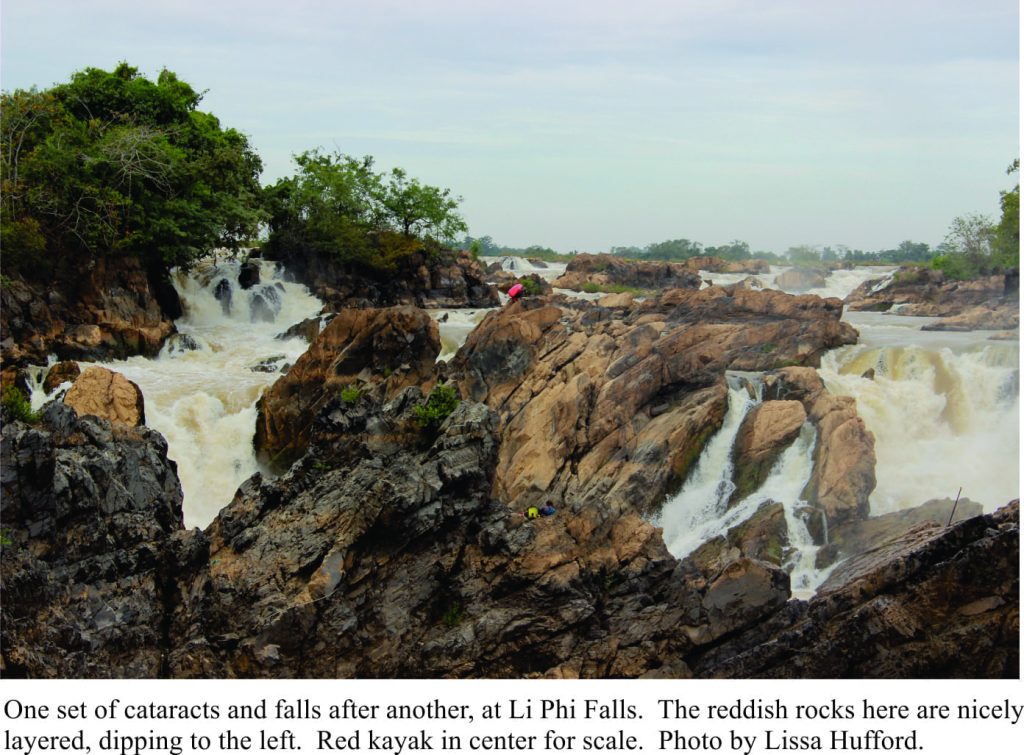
{"x": 373, "y": 351}
{"x": 992, "y": 315}
{"x": 718, "y": 265}
{"x": 617, "y": 403}
{"x": 99, "y": 392}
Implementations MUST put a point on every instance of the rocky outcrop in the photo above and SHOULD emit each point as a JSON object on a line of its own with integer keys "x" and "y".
{"x": 993, "y": 315}
{"x": 718, "y": 265}
{"x": 767, "y": 430}
{"x": 376, "y": 351}
{"x": 617, "y": 404}
{"x": 936, "y": 603}
{"x": 843, "y": 475}
{"x": 92, "y": 512}
{"x": 603, "y": 270}
{"x": 99, "y": 392}
{"x": 856, "y": 537}
{"x": 111, "y": 310}
{"x": 923, "y": 292}
{"x": 801, "y": 279}
{"x": 444, "y": 279}
{"x": 381, "y": 554}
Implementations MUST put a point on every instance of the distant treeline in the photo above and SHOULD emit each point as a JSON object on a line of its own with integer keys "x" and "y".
{"x": 487, "y": 247}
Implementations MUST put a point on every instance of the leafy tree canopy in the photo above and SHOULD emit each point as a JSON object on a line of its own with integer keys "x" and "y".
{"x": 339, "y": 205}
{"x": 112, "y": 162}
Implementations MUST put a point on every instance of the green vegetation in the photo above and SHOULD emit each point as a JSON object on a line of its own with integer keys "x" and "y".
{"x": 976, "y": 246}
{"x": 351, "y": 394}
{"x": 5, "y": 537}
{"x": 613, "y": 288}
{"x": 441, "y": 402}
{"x": 530, "y": 286}
{"x": 113, "y": 163}
{"x": 339, "y": 206}
{"x": 15, "y": 402}
{"x": 453, "y": 616}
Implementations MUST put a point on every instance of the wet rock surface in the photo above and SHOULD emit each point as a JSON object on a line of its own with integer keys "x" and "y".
{"x": 843, "y": 475}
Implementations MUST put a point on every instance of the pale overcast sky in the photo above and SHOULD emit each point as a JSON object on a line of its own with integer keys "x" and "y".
{"x": 586, "y": 124}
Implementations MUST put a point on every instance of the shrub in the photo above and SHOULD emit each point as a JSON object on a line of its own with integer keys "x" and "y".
{"x": 351, "y": 394}
{"x": 15, "y": 402}
{"x": 591, "y": 288}
{"x": 435, "y": 410}
{"x": 530, "y": 286}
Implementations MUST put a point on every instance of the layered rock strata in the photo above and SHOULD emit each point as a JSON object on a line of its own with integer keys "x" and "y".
{"x": 616, "y": 403}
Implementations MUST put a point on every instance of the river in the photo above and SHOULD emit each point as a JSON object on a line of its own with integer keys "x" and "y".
{"x": 943, "y": 407}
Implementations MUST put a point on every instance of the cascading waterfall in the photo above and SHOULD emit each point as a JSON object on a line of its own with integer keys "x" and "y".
{"x": 943, "y": 419}
{"x": 201, "y": 391}
{"x": 700, "y": 512}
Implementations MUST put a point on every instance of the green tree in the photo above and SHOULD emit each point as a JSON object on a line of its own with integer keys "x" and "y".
{"x": 1006, "y": 243}
{"x": 339, "y": 205}
{"x": 113, "y": 163}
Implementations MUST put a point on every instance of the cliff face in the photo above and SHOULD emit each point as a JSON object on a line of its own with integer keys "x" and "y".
{"x": 382, "y": 554}
{"x": 111, "y": 310}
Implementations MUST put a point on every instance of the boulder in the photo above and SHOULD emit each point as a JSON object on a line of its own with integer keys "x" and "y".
{"x": 99, "y": 392}
{"x": 249, "y": 274}
{"x": 763, "y": 537}
{"x": 767, "y": 430}
{"x": 922, "y": 292}
{"x": 801, "y": 279}
{"x": 62, "y": 372}
{"x": 384, "y": 350}
{"x": 308, "y": 329}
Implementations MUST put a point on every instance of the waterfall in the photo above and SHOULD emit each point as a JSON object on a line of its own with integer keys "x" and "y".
{"x": 943, "y": 418}
{"x": 201, "y": 391}
{"x": 699, "y": 512}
